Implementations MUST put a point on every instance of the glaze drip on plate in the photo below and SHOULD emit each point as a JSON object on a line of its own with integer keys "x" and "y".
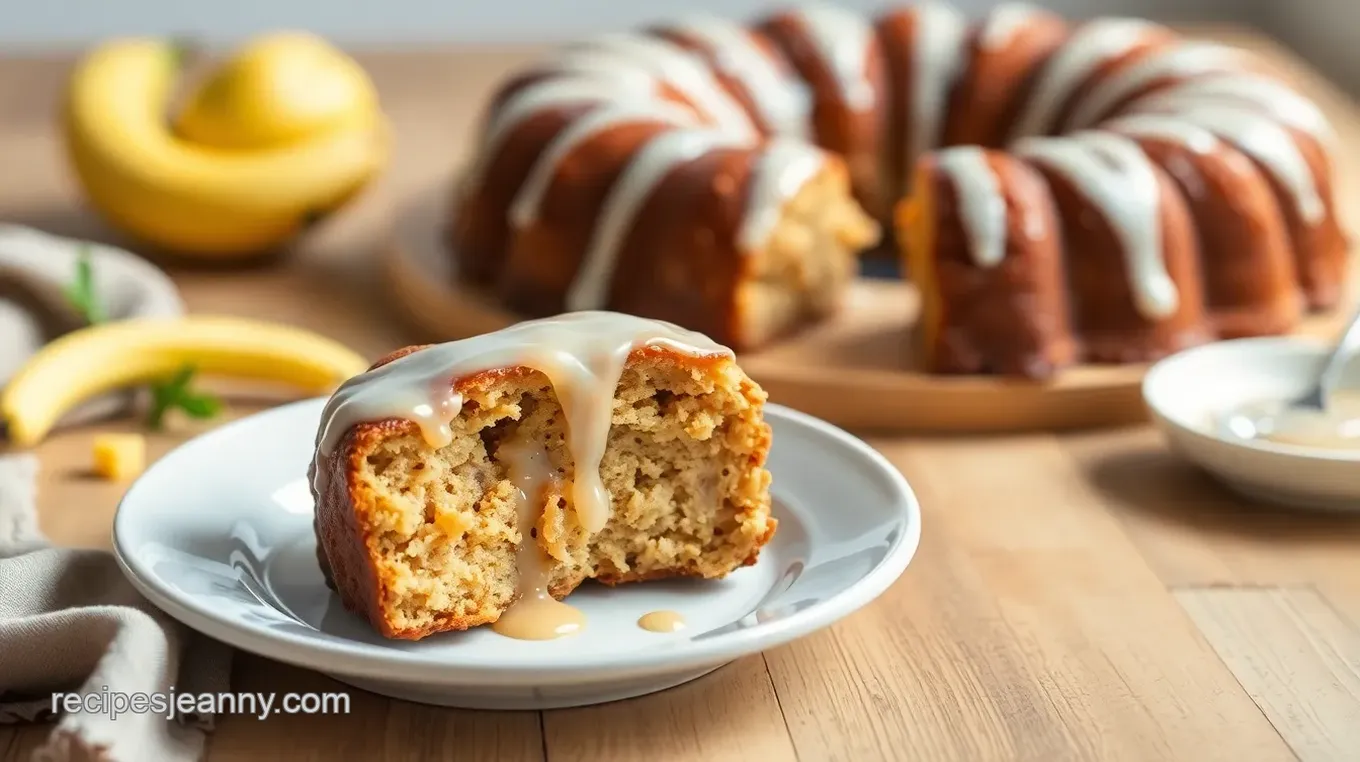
{"x": 536, "y": 615}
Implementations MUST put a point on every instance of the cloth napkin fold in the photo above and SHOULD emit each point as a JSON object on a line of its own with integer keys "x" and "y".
{"x": 71, "y": 622}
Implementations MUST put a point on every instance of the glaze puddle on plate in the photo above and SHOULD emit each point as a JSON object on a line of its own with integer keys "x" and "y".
{"x": 218, "y": 533}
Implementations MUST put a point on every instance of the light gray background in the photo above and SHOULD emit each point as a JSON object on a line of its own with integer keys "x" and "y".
{"x": 1325, "y": 31}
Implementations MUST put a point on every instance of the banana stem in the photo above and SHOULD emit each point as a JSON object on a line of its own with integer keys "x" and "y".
{"x": 185, "y": 49}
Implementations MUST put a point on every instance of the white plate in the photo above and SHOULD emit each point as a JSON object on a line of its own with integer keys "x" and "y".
{"x": 1188, "y": 392}
{"x": 218, "y": 533}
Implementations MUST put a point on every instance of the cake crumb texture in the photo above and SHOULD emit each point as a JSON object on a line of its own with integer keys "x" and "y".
{"x": 421, "y": 541}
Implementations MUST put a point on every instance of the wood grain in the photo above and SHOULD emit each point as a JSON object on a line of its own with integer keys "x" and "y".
{"x": 1037, "y": 622}
{"x": 1028, "y": 627}
{"x": 1296, "y": 657}
{"x": 736, "y": 717}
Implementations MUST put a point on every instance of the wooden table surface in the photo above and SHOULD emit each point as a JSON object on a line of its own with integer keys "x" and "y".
{"x": 1075, "y": 597}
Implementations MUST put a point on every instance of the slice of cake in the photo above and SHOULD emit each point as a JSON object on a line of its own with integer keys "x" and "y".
{"x": 481, "y": 481}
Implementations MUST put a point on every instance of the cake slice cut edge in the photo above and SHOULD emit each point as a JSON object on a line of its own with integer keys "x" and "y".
{"x": 418, "y": 540}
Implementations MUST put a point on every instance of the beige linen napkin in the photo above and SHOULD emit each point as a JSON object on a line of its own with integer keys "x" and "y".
{"x": 70, "y": 621}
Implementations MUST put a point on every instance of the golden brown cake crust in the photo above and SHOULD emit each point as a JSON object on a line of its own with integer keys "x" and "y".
{"x": 349, "y": 559}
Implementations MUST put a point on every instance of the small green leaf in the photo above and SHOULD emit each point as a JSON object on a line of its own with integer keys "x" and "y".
{"x": 201, "y": 405}
{"x": 179, "y": 382}
{"x": 81, "y": 292}
{"x": 161, "y": 401}
{"x": 174, "y": 393}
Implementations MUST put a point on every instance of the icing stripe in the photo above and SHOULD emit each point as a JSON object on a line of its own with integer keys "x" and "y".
{"x": 783, "y": 168}
{"x": 1091, "y": 45}
{"x": 1265, "y": 140}
{"x": 670, "y": 63}
{"x": 1114, "y": 174}
{"x": 524, "y": 209}
{"x": 590, "y": 288}
{"x": 1003, "y": 23}
{"x": 552, "y": 93}
{"x": 937, "y": 58}
{"x": 1184, "y": 60}
{"x": 982, "y": 208}
{"x": 784, "y": 102}
{"x": 1269, "y": 96}
{"x": 842, "y": 39}
{"x": 1165, "y": 127}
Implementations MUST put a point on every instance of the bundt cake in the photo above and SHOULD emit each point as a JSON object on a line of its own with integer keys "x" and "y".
{"x": 1100, "y": 191}
{"x": 482, "y": 480}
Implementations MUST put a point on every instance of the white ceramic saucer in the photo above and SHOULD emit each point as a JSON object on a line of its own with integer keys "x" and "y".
{"x": 218, "y": 533}
{"x": 1190, "y": 391}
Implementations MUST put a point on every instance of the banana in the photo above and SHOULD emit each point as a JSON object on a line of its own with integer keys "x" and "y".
{"x": 278, "y": 88}
{"x": 199, "y": 199}
{"x": 110, "y": 356}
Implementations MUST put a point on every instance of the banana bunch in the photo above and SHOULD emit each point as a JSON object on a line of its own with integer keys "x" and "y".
{"x": 105, "y": 357}
{"x": 285, "y": 132}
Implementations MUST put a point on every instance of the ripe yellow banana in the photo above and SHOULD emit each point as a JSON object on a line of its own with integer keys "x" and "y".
{"x": 277, "y": 88}
{"x": 110, "y": 356}
{"x": 198, "y": 199}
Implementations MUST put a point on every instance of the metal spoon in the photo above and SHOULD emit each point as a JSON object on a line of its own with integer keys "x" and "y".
{"x": 1253, "y": 421}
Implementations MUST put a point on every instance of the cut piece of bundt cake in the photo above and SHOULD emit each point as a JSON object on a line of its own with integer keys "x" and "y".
{"x": 481, "y": 481}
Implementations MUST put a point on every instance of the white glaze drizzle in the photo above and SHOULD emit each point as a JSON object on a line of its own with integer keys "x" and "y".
{"x": 1164, "y": 127}
{"x": 1094, "y": 43}
{"x": 982, "y": 208}
{"x": 585, "y": 87}
{"x": 649, "y": 165}
{"x": 669, "y": 62}
{"x": 1269, "y": 96}
{"x": 524, "y": 209}
{"x": 842, "y": 38}
{"x": 583, "y": 355}
{"x": 1182, "y": 60}
{"x": 535, "y": 614}
{"x": 1001, "y": 24}
{"x": 784, "y": 166}
{"x": 1114, "y": 174}
{"x": 937, "y": 57}
{"x": 1264, "y": 139}
{"x": 784, "y": 102}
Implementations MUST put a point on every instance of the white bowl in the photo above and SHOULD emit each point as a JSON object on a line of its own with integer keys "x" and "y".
{"x": 1188, "y": 392}
{"x": 218, "y": 533}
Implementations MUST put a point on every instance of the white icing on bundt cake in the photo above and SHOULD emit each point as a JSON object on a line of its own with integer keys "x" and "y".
{"x": 724, "y": 175}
